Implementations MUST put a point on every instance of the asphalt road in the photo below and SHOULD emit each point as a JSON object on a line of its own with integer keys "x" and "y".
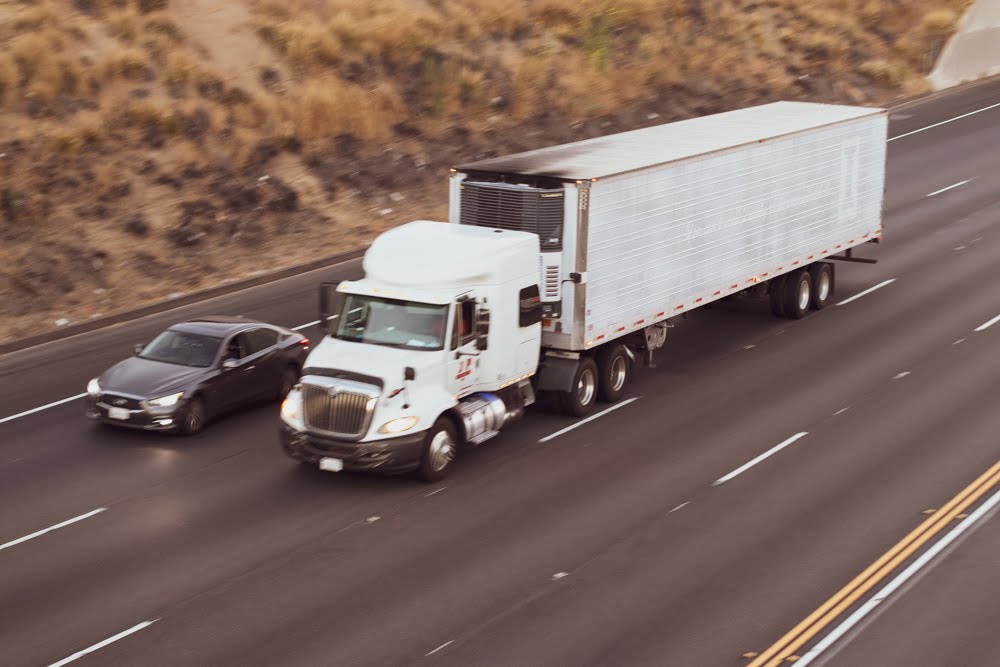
{"x": 612, "y": 544}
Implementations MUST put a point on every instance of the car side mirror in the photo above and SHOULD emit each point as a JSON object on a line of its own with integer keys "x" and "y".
{"x": 138, "y": 348}
{"x": 228, "y": 364}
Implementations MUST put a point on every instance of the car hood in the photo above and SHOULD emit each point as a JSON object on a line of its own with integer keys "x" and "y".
{"x": 147, "y": 378}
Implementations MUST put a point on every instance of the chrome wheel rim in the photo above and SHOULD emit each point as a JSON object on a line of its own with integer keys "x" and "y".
{"x": 585, "y": 387}
{"x": 442, "y": 450}
{"x": 193, "y": 420}
{"x": 619, "y": 369}
{"x": 803, "y": 295}
{"x": 824, "y": 286}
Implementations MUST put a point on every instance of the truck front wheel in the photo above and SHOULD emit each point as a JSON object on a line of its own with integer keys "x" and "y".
{"x": 579, "y": 402}
{"x": 614, "y": 368}
{"x": 440, "y": 447}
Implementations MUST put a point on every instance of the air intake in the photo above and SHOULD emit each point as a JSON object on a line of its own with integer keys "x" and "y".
{"x": 517, "y": 208}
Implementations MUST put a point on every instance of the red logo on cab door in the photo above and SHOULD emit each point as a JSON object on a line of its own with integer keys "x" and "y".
{"x": 464, "y": 368}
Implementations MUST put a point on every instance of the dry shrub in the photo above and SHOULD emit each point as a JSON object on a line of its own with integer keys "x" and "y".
{"x": 128, "y": 63}
{"x": 34, "y": 18}
{"x": 325, "y": 108}
{"x": 939, "y": 23}
{"x": 9, "y": 77}
{"x": 123, "y": 24}
{"x": 161, "y": 24}
{"x": 179, "y": 69}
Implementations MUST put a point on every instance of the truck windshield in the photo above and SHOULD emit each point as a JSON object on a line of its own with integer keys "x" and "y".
{"x": 391, "y": 322}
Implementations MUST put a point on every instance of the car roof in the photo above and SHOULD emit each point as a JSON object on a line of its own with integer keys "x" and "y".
{"x": 218, "y": 326}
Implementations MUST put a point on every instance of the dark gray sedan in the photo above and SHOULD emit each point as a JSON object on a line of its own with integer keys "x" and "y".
{"x": 197, "y": 370}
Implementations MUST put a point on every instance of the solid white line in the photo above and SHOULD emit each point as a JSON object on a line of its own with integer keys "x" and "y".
{"x": 986, "y": 325}
{"x": 428, "y": 495}
{"x": 305, "y": 326}
{"x": 867, "y": 291}
{"x": 950, "y": 187}
{"x": 39, "y": 409}
{"x": 681, "y": 506}
{"x": 447, "y": 643}
{"x": 746, "y": 466}
{"x": 51, "y": 528}
{"x": 945, "y": 122}
{"x": 841, "y": 411}
{"x": 109, "y": 640}
{"x": 588, "y": 419}
{"x": 900, "y": 579}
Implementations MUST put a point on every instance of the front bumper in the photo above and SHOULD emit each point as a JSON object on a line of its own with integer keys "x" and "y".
{"x": 164, "y": 419}
{"x": 394, "y": 455}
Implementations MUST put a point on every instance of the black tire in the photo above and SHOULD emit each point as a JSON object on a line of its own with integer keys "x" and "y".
{"x": 777, "y": 291}
{"x": 614, "y": 368}
{"x": 194, "y": 417}
{"x": 798, "y": 294}
{"x": 435, "y": 463}
{"x": 289, "y": 377}
{"x": 581, "y": 400}
{"x": 823, "y": 284}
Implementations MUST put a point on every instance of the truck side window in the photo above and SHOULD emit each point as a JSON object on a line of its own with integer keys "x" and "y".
{"x": 464, "y": 331}
{"x": 530, "y": 306}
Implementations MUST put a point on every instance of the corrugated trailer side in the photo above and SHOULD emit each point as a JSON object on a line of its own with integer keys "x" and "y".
{"x": 667, "y": 239}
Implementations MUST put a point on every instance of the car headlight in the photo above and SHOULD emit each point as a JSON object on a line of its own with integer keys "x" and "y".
{"x": 165, "y": 401}
{"x": 93, "y": 388}
{"x": 291, "y": 412}
{"x": 398, "y": 425}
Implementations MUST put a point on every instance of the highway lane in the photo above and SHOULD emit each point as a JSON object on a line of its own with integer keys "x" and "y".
{"x": 234, "y": 549}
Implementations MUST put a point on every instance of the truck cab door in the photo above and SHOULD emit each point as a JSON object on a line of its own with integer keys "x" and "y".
{"x": 463, "y": 364}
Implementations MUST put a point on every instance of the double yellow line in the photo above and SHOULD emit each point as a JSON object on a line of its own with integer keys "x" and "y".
{"x": 785, "y": 647}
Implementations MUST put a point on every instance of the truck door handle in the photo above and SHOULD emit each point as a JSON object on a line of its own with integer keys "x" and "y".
{"x": 250, "y": 368}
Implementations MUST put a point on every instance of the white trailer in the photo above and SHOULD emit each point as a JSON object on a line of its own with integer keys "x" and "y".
{"x": 627, "y": 231}
{"x": 649, "y": 224}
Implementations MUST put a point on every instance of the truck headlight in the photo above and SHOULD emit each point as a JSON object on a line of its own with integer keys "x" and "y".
{"x": 93, "y": 388}
{"x": 399, "y": 425}
{"x": 165, "y": 401}
{"x": 291, "y": 410}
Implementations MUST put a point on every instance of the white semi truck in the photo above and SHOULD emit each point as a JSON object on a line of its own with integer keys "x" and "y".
{"x": 561, "y": 268}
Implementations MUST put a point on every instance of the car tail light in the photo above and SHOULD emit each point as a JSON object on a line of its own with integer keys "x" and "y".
{"x": 304, "y": 342}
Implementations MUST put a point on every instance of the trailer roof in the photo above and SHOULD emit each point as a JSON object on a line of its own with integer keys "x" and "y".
{"x": 613, "y": 154}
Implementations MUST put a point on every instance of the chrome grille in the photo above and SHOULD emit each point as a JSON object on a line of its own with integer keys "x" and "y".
{"x": 337, "y": 407}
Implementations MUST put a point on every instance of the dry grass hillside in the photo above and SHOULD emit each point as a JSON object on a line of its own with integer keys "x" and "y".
{"x": 149, "y": 147}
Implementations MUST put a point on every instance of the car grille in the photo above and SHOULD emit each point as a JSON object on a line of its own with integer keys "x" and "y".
{"x": 337, "y": 411}
{"x": 120, "y": 401}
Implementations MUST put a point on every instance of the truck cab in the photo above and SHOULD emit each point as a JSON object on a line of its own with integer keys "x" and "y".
{"x": 434, "y": 348}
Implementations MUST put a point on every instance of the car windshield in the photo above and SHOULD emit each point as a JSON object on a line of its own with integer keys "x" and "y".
{"x": 182, "y": 348}
{"x": 391, "y": 322}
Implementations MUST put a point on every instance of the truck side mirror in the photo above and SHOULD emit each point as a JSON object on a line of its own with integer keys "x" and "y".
{"x": 328, "y": 300}
{"x": 482, "y": 343}
{"x": 409, "y": 373}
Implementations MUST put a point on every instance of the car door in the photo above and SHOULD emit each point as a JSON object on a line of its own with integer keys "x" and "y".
{"x": 266, "y": 359}
{"x": 235, "y": 386}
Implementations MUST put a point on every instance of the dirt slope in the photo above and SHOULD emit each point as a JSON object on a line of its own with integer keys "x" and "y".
{"x": 149, "y": 147}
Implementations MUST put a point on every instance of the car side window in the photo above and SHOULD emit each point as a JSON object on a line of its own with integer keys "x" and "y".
{"x": 261, "y": 339}
{"x": 464, "y": 330}
{"x": 237, "y": 347}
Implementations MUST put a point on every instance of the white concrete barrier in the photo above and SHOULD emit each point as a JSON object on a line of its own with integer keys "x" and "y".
{"x": 973, "y": 52}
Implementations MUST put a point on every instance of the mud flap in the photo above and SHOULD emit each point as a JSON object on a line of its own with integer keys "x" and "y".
{"x": 557, "y": 374}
